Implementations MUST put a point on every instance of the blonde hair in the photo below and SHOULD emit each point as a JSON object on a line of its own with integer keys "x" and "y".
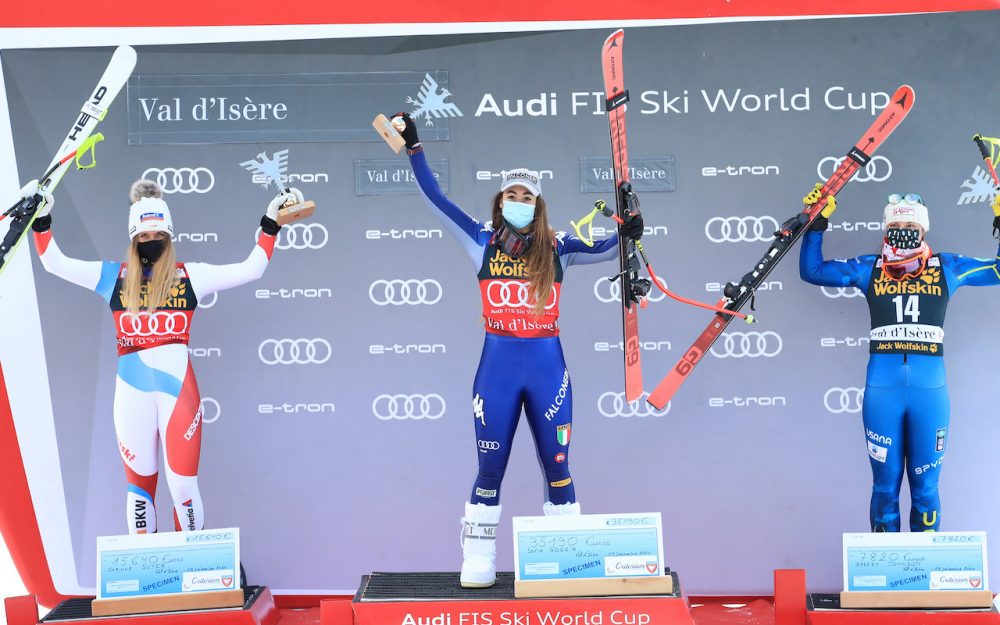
{"x": 539, "y": 263}
{"x": 147, "y": 295}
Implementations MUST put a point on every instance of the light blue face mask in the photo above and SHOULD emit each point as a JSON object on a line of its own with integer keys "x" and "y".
{"x": 518, "y": 214}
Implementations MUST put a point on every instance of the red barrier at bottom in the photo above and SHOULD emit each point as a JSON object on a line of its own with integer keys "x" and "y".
{"x": 607, "y": 611}
{"x": 790, "y": 597}
{"x": 336, "y": 612}
{"x": 21, "y": 610}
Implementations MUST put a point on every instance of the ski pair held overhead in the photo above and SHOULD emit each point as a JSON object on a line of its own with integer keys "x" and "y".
{"x": 739, "y": 294}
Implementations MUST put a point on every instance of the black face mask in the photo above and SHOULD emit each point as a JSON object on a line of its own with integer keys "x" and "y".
{"x": 903, "y": 238}
{"x": 150, "y": 251}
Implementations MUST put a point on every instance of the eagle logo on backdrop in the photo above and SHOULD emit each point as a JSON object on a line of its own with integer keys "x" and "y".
{"x": 980, "y": 187}
{"x": 272, "y": 168}
{"x": 430, "y": 102}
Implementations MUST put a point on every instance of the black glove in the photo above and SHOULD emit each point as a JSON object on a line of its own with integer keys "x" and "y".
{"x": 633, "y": 226}
{"x": 42, "y": 224}
{"x": 410, "y": 132}
{"x": 267, "y": 225}
{"x": 820, "y": 224}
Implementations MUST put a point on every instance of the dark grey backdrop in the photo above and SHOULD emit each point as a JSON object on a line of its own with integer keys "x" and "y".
{"x": 756, "y": 465}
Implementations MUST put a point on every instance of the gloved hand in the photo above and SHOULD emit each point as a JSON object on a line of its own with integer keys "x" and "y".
{"x": 821, "y": 223}
{"x": 269, "y": 222}
{"x": 996, "y": 214}
{"x": 633, "y": 226}
{"x": 42, "y": 220}
{"x": 31, "y": 189}
{"x": 281, "y": 199}
{"x": 409, "y": 133}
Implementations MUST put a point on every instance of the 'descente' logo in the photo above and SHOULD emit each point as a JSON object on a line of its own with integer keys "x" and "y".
{"x": 430, "y": 102}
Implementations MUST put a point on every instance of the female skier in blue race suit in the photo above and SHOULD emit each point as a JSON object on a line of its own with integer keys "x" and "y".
{"x": 520, "y": 263}
{"x": 905, "y": 409}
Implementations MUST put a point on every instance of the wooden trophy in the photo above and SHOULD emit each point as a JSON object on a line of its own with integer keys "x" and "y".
{"x": 292, "y": 211}
{"x": 389, "y": 131}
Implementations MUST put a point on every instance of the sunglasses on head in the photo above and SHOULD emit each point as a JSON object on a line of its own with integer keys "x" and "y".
{"x": 909, "y": 198}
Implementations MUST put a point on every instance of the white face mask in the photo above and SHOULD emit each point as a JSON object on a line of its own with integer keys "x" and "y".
{"x": 518, "y": 214}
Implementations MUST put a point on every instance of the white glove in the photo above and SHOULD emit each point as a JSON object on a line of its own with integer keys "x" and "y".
{"x": 281, "y": 199}
{"x": 31, "y": 189}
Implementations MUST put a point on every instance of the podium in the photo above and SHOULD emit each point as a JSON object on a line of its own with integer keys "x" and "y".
{"x": 439, "y": 599}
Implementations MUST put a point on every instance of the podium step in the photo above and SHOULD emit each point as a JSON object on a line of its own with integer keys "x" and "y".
{"x": 258, "y": 609}
{"x": 825, "y": 609}
{"x": 439, "y": 599}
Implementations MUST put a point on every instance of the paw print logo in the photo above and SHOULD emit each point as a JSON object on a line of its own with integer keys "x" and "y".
{"x": 178, "y": 289}
{"x": 931, "y": 275}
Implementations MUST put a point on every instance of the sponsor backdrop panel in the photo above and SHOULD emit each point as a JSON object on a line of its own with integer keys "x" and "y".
{"x": 338, "y": 387}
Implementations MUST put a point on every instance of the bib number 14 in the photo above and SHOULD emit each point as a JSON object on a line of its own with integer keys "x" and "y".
{"x": 909, "y": 309}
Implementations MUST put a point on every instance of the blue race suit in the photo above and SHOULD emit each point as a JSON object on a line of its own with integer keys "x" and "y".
{"x": 905, "y": 409}
{"x": 522, "y": 361}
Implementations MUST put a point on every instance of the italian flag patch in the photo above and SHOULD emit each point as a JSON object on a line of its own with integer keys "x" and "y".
{"x": 562, "y": 434}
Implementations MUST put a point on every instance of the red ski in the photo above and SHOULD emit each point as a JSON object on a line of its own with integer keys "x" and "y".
{"x": 738, "y": 294}
{"x": 633, "y": 288}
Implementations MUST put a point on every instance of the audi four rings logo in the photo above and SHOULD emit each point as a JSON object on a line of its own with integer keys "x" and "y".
{"x": 736, "y": 229}
{"x": 215, "y": 410}
{"x": 409, "y": 292}
{"x": 878, "y": 169}
{"x": 311, "y": 236}
{"x": 747, "y": 345}
{"x": 613, "y": 404}
{"x": 159, "y": 323}
{"x": 416, "y": 407}
{"x": 608, "y": 291}
{"x": 513, "y": 293}
{"x": 294, "y": 351}
{"x": 213, "y": 297}
{"x": 489, "y": 445}
{"x": 839, "y": 400}
{"x": 182, "y": 179}
{"x": 841, "y": 291}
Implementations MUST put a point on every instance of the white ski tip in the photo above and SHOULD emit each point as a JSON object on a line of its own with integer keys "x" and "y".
{"x": 124, "y": 55}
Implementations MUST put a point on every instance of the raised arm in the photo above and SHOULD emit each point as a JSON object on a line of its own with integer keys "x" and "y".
{"x": 814, "y": 270}
{"x": 207, "y": 278}
{"x": 573, "y": 251}
{"x": 98, "y": 276}
{"x": 971, "y": 271}
{"x": 469, "y": 232}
